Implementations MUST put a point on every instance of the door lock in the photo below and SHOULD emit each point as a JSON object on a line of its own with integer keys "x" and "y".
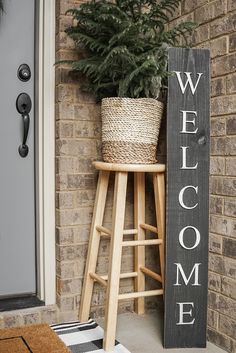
{"x": 23, "y": 106}
{"x": 24, "y": 73}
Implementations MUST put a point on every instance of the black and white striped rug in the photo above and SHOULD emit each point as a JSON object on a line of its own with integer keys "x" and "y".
{"x": 84, "y": 337}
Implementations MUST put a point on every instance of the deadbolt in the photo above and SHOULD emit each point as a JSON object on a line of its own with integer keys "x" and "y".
{"x": 24, "y": 73}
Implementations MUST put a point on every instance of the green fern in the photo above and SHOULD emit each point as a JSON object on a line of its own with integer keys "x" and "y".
{"x": 126, "y": 43}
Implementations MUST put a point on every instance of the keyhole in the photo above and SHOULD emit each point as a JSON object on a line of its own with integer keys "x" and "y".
{"x": 24, "y": 105}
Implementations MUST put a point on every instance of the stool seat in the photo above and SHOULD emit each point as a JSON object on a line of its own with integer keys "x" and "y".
{"x": 115, "y": 167}
{"x": 116, "y": 236}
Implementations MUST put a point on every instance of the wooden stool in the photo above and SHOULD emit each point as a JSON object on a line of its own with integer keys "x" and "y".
{"x": 111, "y": 282}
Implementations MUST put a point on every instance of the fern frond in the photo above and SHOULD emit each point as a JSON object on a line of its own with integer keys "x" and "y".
{"x": 90, "y": 42}
{"x": 126, "y": 42}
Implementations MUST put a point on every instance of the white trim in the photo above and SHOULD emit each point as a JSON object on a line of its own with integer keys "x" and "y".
{"x": 45, "y": 151}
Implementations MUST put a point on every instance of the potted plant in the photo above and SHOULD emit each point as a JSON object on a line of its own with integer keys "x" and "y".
{"x": 126, "y": 43}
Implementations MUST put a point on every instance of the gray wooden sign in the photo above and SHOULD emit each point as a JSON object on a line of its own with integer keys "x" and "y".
{"x": 187, "y": 198}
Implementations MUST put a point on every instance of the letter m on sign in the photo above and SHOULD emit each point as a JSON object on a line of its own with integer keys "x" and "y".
{"x": 187, "y": 227}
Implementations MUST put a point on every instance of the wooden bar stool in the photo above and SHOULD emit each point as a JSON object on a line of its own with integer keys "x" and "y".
{"x": 111, "y": 282}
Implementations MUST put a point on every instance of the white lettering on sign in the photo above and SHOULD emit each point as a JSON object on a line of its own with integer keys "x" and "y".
{"x": 185, "y": 121}
{"x": 184, "y": 159}
{"x": 181, "y": 237}
{"x": 181, "y": 195}
{"x": 195, "y": 271}
{"x": 182, "y": 313}
{"x": 189, "y": 125}
{"x": 188, "y": 81}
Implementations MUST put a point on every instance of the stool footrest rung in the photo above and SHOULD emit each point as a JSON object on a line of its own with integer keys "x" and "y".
{"x": 105, "y": 231}
{"x": 98, "y": 279}
{"x": 142, "y": 242}
{"x": 151, "y": 274}
{"x": 122, "y": 275}
{"x": 147, "y": 293}
{"x": 149, "y": 227}
{"x": 130, "y": 231}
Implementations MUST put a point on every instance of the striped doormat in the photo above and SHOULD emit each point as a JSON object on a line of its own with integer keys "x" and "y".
{"x": 84, "y": 337}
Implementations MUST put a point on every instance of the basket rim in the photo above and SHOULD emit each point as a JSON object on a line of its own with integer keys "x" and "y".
{"x": 132, "y": 100}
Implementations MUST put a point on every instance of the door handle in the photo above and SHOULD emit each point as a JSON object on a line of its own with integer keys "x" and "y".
{"x": 24, "y": 149}
{"x": 23, "y": 106}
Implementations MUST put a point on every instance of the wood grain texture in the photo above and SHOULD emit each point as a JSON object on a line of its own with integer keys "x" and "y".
{"x": 118, "y": 218}
{"x": 195, "y": 61}
{"x": 116, "y": 167}
{"x": 94, "y": 241}
{"x": 139, "y": 258}
{"x": 159, "y": 192}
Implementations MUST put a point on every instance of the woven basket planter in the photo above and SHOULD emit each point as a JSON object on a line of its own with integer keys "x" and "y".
{"x": 130, "y": 130}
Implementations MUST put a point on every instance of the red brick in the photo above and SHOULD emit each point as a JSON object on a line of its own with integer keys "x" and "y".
{"x": 229, "y": 247}
{"x": 218, "y": 127}
{"x": 223, "y": 146}
{"x": 223, "y": 25}
{"x": 222, "y": 265}
{"x": 218, "y": 87}
{"x": 64, "y": 129}
{"x": 220, "y": 340}
{"x": 217, "y": 166}
{"x": 227, "y": 326}
{"x": 223, "y": 105}
{"x": 231, "y": 5}
{"x": 231, "y": 83}
{"x": 216, "y": 205}
{"x": 215, "y": 245}
{"x": 223, "y": 65}
{"x": 230, "y": 164}
{"x": 232, "y": 42}
{"x": 223, "y": 225}
{"x": 219, "y": 46}
{"x": 190, "y": 5}
{"x": 223, "y": 186}
{"x": 228, "y": 287}
{"x": 201, "y": 34}
{"x": 210, "y": 11}
{"x": 212, "y": 318}
{"x": 230, "y": 207}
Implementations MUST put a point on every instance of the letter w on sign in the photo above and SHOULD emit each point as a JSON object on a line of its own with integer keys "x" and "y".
{"x": 187, "y": 198}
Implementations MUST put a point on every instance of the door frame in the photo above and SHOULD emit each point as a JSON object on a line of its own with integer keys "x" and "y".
{"x": 45, "y": 150}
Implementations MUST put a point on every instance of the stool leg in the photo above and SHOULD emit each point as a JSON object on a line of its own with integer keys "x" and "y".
{"x": 115, "y": 260}
{"x": 94, "y": 242}
{"x": 139, "y": 218}
{"x": 159, "y": 193}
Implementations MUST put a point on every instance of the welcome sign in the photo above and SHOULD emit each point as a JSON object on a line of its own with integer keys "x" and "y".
{"x": 187, "y": 198}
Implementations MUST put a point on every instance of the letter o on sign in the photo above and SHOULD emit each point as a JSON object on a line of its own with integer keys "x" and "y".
{"x": 181, "y": 237}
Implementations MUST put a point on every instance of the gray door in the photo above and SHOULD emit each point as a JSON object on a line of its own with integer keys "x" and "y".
{"x": 17, "y": 203}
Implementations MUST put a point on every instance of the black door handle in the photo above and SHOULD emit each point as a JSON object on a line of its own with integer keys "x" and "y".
{"x": 23, "y": 105}
{"x": 24, "y": 149}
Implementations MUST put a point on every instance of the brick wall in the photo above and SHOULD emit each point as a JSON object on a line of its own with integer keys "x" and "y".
{"x": 217, "y": 31}
{"x": 78, "y": 144}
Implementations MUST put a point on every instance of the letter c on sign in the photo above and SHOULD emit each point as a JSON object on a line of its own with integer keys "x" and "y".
{"x": 181, "y": 195}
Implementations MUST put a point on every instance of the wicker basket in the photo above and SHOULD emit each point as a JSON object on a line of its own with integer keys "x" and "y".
{"x": 130, "y": 129}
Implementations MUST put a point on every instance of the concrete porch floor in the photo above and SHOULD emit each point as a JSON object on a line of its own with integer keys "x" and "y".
{"x": 142, "y": 334}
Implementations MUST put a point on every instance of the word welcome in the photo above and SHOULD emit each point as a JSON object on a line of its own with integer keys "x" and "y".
{"x": 187, "y": 201}
{"x": 189, "y": 125}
